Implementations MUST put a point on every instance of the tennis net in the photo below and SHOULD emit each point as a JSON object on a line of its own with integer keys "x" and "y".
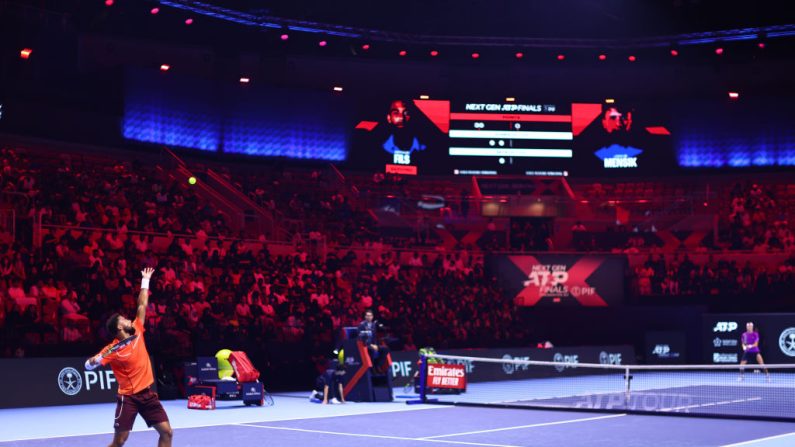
{"x": 752, "y": 392}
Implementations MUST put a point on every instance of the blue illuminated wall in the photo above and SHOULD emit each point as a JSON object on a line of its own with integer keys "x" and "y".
{"x": 238, "y": 119}
{"x": 744, "y": 134}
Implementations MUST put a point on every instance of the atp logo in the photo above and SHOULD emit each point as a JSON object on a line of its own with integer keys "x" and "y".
{"x": 661, "y": 350}
{"x": 69, "y": 381}
{"x": 725, "y": 326}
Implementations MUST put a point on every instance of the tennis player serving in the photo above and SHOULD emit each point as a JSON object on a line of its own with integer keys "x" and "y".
{"x": 750, "y": 342}
{"x": 129, "y": 360}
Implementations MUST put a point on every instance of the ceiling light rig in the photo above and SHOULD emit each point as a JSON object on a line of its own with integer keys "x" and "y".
{"x": 435, "y": 45}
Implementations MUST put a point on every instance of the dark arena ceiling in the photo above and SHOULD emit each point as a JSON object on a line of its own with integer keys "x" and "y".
{"x": 529, "y": 18}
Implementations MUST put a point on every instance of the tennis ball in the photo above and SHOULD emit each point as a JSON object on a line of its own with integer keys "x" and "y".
{"x": 224, "y": 367}
{"x": 192, "y": 180}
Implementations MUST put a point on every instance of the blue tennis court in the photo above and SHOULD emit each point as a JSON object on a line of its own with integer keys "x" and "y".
{"x": 293, "y": 421}
{"x": 706, "y": 391}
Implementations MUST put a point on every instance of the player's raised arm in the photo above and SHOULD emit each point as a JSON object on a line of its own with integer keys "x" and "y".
{"x": 143, "y": 296}
{"x": 93, "y": 362}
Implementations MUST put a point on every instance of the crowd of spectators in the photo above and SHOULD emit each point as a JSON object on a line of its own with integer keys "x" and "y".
{"x": 210, "y": 293}
{"x": 307, "y": 203}
{"x": 756, "y": 221}
{"x": 213, "y": 291}
{"x": 119, "y": 196}
{"x": 531, "y": 234}
{"x": 680, "y": 276}
{"x": 213, "y": 296}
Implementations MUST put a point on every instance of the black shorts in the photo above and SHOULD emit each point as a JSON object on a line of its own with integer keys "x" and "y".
{"x": 145, "y": 402}
{"x": 748, "y": 356}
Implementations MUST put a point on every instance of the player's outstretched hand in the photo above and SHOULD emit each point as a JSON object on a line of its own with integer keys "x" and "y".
{"x": 147, "y": 272}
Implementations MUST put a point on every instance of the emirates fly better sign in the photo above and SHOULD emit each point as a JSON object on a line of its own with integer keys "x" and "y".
{"x": 447, "y": 376}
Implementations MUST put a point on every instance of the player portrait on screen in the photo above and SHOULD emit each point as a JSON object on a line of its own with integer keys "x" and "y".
{"x": 617, "y": 141}
{"x": 401, "y": 140}
{"x": 613, "y": 120}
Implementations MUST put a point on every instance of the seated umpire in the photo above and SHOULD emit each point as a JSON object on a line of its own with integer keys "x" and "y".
{"x": 378, "y": 354}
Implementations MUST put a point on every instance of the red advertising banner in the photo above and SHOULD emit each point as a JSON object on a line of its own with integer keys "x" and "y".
{"x": 447, "y": 376}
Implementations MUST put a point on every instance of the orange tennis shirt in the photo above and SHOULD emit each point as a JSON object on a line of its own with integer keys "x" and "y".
{"x": 131, "y": 364}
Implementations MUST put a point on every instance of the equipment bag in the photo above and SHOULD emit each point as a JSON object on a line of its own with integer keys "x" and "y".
{"x": 244, "y": 370}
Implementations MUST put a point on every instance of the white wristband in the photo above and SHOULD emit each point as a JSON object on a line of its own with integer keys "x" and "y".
{"x": 145, "y": 283}
{"x": 89, "y": 366}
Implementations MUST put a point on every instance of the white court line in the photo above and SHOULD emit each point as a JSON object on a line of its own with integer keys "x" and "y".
{"x": 221, "y": 424}
{"x": 543, "y": 424}
{"x": 711, "y": 404}
{"x": 753, "y": 441}
{"x": 362, "y": 435}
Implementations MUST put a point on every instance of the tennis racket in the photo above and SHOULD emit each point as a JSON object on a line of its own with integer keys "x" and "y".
{"x": 110, "y": 350}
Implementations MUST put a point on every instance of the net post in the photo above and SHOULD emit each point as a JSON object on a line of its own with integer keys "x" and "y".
{"x": 423, "y": 377}
{"x": 627, "y": 381}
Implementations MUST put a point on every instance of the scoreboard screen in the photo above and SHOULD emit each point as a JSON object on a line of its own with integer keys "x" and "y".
{"x": 444, "y": 137}
{"x": 506, "y": 137}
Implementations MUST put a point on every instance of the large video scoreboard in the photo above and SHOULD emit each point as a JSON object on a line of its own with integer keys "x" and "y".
{"x": 446, "y": 137}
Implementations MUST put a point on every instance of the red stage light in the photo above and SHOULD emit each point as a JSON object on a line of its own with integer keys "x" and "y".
{"x": 284, "y": 37}
{"x": 189, "y": 21}
{"x": 366, "y": 46}
{"x": 719, "y": 51}
{"x": 475, "y": 55}
{"x": 561, "y": 57}
{"x": 403, "y": 52}
{"x": 434, "y": 53}
{"x": 108, "y": 2}
{"x": 322, "y": 43}
{"x": 602, "y": 57}
{"x": 25, "y": 53}
{"x": 632, "y": 58}
{"x": 519, "y": 55}
{"x": 761, "y": 45}
{"x": 674, "y": 53}
{"x": 165, "y": 67}
{"x": 734, "y": 95}
{"x": 154, "y": 11}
